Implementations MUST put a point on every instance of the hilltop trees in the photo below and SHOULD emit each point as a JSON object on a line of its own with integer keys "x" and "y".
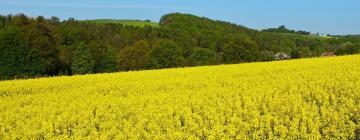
{"x": 17, "y": 60}
{"x": 2, "y": 21}
{"x": 283, "y": 29}
{"x": 42, "y": 41}
{"x": 69, "y": 47}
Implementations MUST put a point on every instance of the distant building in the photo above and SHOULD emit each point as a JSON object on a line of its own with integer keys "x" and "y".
{"x": 317, "y": 34}
{"x": 281, "y": 56}
{"x": 327, "y": 54}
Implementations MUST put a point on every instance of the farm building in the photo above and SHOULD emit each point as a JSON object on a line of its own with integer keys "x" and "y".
{"x": 326, "y": 54}
{"x": 281, "y": 56}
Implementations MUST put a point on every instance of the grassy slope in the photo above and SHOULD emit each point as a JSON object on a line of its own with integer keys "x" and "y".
{"x": 192, "y": 18}
{"x": 124, "y": 22}
{"x": 293, "y": 99}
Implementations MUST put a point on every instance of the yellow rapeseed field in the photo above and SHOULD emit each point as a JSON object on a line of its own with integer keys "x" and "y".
{"x": 317, "y": 98}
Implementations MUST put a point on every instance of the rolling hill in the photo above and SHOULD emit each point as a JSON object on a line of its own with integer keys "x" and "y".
{"x": 36, "y": 47}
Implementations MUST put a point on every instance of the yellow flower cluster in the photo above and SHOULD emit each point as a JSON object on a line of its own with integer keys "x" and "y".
{"x": 317, "y": 98}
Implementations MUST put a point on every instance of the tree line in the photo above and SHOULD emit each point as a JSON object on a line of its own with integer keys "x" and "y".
{"x": 39, "y": 46}
{"x": 283, "y": 29}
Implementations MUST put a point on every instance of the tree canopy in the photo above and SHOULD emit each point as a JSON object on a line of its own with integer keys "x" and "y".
{"x": 39, "y": 46}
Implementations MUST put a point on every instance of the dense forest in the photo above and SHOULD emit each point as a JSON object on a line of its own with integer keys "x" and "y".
{"x": 38, "y": 46}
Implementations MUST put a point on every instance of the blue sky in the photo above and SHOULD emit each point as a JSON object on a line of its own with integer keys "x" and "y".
{"x": 324, "y": 16}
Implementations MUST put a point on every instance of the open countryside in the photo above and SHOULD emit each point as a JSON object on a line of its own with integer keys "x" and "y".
{"x": 173, "y": 70}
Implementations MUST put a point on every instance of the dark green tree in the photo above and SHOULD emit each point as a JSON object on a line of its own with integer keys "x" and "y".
{"x": 2, "y": 21}
{"x": 280, "y": 29}
{"x": 39, "y": 37}
{"x": 266, "y": 56}
{"x": 301, "y": 52}
{"x": 45, "y": 45}
{"x": 17, "y": 60}
{"x": 108, "y": 61}
{"x": 242, "y": 50}
{"x": 134, "y": 57}
{"x": 54, "y": 20}
{"x": 166, "y": 54}
{"x": 348, "y": 48}
{"x": 82, "y": 61}
{"x": 202, "y": 56}
{"x": 20, "y": 20}
{"x": 65, "y": 57}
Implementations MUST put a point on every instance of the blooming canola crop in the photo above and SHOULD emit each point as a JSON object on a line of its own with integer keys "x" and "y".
{"x": 316, "y": 98}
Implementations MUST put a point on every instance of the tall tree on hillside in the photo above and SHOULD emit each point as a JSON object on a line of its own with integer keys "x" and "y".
{"x": 166, "y": 54}
{"x": 108, "y": 61}
{"x": 348, "y": 48}
{"x": 82, "y": 61}
{"x": 134, "y": 57}
{"x": 2, "y": 21}
{"x": 241, "y": 50}
{"x": 54, "y": 20}
{"x": 39, "y": 38}
{"x": 20, "y": 20}
{"x": 65, "y": 57}
{"x": 16, "y": 58}
{"x": 300, "y": 52}
{"x": 45, "y": 43}
{"x": 202, "y": 56}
